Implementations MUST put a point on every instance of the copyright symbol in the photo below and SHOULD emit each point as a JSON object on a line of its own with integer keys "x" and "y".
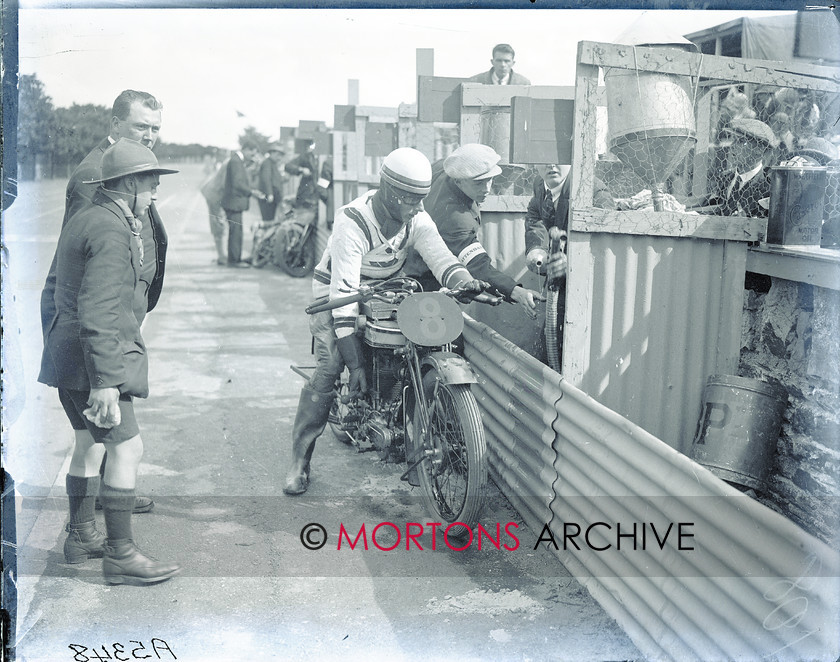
{"x": 313, "y": 536}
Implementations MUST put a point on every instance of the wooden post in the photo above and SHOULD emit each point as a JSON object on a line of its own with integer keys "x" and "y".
{"x": 425, "y": 61}
{"x": 352, "y": 92}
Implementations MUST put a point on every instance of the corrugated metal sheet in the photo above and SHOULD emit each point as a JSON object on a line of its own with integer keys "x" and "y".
{"x": 648, "y": 319}
{"x": 755, "y": 586}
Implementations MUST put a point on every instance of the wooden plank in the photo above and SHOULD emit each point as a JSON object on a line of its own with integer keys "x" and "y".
{"x": 736, "y": 70}
{"x": 580, "y": 282}
{"x": 378, "y": 113}
{"x": 506, "y": 203}
{"x": 813, "y": 265}
{"x": 542, "y": 130}
{"x": 669, "y": 224}
{"x": 728, "y": 342}
{"x": 438, "y": 99}
{"x": 477, "y": 94}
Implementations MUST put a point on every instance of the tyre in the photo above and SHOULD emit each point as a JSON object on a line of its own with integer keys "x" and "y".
{"x": 453, "y": 479}
{"x": 337, "y": 413}
{"x": 262, "y": 251}
{"x": 294, "y": 250}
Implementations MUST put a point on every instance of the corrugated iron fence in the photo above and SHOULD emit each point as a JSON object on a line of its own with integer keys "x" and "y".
{"x": 691, "y": 568}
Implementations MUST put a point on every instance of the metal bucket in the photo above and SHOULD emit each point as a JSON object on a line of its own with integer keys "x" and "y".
{"x": 797, "y": 201}
{"x": 738, "y": 429}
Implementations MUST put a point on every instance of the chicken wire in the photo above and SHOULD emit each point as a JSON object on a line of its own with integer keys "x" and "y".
{"x": 680, "y": 143}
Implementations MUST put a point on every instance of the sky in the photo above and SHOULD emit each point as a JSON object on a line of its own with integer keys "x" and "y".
{"x": 279, "y": 66}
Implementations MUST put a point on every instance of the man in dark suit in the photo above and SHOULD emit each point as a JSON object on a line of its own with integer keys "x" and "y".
{"x": 271, "y": 182}
{"x": 94, "y": 354}
{"x": 501, "y": 73}
{"x": 236, "y": 199}
{"x": 135, "y": 115}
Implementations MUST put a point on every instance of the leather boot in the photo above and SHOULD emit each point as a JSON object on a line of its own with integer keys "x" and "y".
{"x": 123, "y": 563}
{"x": 83, "y": 542}
{"x": 311, "y": 419}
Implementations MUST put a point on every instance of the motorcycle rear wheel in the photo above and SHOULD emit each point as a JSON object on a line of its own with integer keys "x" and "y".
{"x": 453, "y": 479}
{"x": 294, "y": 253}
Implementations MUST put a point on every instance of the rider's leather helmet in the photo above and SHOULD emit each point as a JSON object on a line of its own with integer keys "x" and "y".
{"x": 128, "y": 157}
{"x": 408, "y": 170}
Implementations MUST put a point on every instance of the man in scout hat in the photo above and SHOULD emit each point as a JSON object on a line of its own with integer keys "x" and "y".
{"x": 453, "y": 203}
{"x": 749, "y": 144}
{"x": 136, "y": 115}
{"x": 94, "y": 354}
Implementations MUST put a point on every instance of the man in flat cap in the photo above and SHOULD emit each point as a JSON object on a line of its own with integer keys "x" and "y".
{"x": 95, "y": 356}
{"x": 453, "y": 203}
{"x": 749, "y": 145}
{"x": 270, "y": 182}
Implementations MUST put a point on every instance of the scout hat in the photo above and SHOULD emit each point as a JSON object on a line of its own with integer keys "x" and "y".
{"x": 128, "y": 157}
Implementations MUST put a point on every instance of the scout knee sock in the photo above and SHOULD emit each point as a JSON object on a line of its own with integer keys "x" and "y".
{"x": 81, "y": 492}
{"x": 117, "y": 504}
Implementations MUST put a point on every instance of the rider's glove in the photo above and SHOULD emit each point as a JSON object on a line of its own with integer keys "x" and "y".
{"x": 471, "y": 288}
{"x": 536, "y": 260}
{"x": 351, "y": 352}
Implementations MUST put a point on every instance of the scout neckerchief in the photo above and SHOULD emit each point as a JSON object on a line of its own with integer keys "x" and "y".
{"x": 134, "y": 223}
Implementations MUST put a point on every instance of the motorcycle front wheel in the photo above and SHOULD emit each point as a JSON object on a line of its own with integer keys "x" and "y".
{"x": 453, "y": 478}
{"x": 294, "y": 250}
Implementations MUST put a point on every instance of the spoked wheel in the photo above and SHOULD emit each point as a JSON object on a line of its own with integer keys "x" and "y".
{"x": 263, "y": 251}
{"x": 337, "y": 413}
{"x": 454, "y": 477}
{"x": 294, "y": 248}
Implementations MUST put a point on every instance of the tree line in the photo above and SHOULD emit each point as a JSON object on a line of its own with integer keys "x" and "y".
{"x": 53, "y": 140}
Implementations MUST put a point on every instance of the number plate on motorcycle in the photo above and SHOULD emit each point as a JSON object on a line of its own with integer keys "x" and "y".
{"x": 430, "y": 319}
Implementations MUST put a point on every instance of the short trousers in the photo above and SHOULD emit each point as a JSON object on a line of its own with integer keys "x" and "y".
{"x": 75, "y": 402}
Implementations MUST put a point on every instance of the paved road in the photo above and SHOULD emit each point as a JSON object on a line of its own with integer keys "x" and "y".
{"x": 217, "y": 436}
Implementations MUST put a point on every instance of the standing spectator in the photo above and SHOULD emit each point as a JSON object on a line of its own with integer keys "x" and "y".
{"x": 135, "y": 115}
{"x": 271, "y": 182}
{"x": 213, "y": 189}
{"x": 94, "y": 354}
{"x": 236, "y": 199}
{"x": 305, "y": 164}
{"x": 749, "y": 151}
{"x": 453, "y": 203}
{"x": 549, "y": 208}
{"x": 501, "y": 73}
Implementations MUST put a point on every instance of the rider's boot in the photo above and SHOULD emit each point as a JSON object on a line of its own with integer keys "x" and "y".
{"x": 311, "y": 419}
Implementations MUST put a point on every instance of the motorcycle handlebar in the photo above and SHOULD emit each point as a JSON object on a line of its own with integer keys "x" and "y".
{"x": 323, "y": 304}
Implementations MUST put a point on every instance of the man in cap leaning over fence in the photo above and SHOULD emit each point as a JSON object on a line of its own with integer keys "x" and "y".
{"x": 453, "y": 203}
{"x": 94, "y": 354}
{"x": 370, "y": 240}
{"x": 749, "y": 153}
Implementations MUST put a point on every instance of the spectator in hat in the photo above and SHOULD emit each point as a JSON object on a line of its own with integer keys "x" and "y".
{"x": 305, "y": 165}
{"x": 453, "y": 203}
{"x": 501, "y": 73}
{"x": 95, "y": 356}
{"x": 749, "y": 145}
{"x": 237, "y": 199}
{"x": 271, "y": 182}
{"x": 135, "y": 115}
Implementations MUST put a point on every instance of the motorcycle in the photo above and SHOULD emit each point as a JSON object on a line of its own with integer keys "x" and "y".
{"x": 287, "y": 243}
{"x": 419, "y": 408}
